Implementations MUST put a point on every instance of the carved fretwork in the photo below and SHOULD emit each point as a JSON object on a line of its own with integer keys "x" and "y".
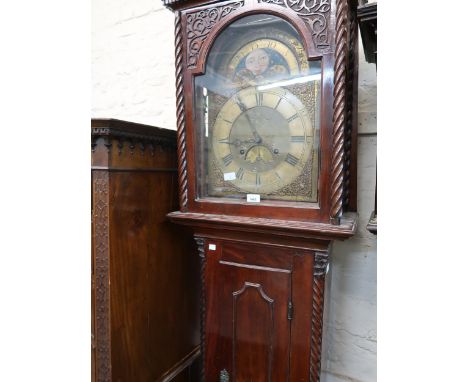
{"x": 316, "y": 14}
{"x": 199, "y": 25}
{"x": 118, "y": 134}
{"x": 320, "y": 268}
{"x": 180, "y": 113}
{"x": 101, "y": 274}
{"x": 339, "y": 111}
{"x": 201, "y": 252}
{"x": 320, "y": 263}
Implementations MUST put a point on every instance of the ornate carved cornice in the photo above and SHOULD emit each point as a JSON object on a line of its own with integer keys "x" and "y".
{"x": 199, "y": 25}
{"x": 135, "y": 134}
{"x": 315, "y": 13}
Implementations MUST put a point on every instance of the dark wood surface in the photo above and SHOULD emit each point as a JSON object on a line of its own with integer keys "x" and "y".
{"x": 145, "y": 280}
{"x": 367, "y": 16}
{"x": 263, "y": 266}
{"x": 262, "y": 307}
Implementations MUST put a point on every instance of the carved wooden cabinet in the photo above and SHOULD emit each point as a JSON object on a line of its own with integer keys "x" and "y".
{"x": 145, "y": 286}
{"x": 259, "y": 310}
{"x": 266, "y": 119}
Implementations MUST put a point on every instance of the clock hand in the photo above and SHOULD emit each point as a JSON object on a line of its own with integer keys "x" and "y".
{"x": 243, "y": 108}
{"x": 238, "y": 142}
{"x": 258, "y": 138}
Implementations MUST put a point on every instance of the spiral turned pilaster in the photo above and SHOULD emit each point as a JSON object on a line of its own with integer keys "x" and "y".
{"x": 320, "y": 267}
{"x": 339, "y": 111}
{"x": 180, "y": 113}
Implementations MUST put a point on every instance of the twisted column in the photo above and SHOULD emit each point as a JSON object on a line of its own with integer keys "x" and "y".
{"x": 180, "y": 113}
{"x": 318, "y": 289}
{"x": 339, "y": 111}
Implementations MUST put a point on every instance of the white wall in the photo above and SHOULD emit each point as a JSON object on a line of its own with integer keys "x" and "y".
{"x": 133, "y": 79}
{"x": 133, "y": 62}
{"x": 350, "y": 340}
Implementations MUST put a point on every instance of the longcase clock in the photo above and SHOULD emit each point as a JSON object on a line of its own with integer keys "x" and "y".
{"x": 266, "y": 115}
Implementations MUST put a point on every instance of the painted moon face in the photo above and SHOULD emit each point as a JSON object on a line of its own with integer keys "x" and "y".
{"x": 257, "y": 61}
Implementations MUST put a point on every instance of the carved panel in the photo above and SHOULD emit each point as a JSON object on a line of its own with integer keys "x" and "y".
{"x": 320, "y": 267}
{"x": 101, "y": 274}
{"x": 128, "y": 137}
{"x": 315, "y": 13}
{"x": 199, "y": 25}
{"x": 243, "y": 344}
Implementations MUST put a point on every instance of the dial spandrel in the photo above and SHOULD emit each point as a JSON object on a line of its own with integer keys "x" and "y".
{"x": 257, "y": 108}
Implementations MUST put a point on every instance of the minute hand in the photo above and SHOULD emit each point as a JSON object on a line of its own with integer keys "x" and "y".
{"x": 243, "y": 108}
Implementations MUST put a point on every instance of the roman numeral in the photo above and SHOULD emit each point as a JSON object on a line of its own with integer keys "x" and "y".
{"x": 224, "y": 140}
{"x": 227, "y": 160}
{"x": 297, "y": 138}
{"x": 259, "y": 98}
{"x": 225, "y": 120}
{"x": 257, "y": 179}
{"x": 292, "y": 118}
{"x": 291, "y": 159}
{"x": 240, "y": 173}
{"x": 279, "y": 101}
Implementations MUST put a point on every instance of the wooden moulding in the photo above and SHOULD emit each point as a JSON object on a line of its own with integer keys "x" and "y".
{"x": 304, "y": 229}
{"x": 125, "y": 146}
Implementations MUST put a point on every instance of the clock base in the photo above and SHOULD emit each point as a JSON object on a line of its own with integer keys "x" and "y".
{"x": 262, "y": 297}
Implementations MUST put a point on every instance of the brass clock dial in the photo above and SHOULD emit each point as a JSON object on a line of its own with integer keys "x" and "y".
{"x": 262, "y": 139}
{"x": 258, "y": 114}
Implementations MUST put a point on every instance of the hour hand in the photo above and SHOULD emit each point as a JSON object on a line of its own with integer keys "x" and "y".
{"x": 237, "y": 142}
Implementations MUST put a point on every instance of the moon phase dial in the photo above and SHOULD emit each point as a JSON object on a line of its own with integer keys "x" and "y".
{"x": 264, "y": 138}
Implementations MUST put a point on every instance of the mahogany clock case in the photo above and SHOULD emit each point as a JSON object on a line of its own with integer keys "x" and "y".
{"x": 198, "y": 27}
{"x": 263, "y": 265}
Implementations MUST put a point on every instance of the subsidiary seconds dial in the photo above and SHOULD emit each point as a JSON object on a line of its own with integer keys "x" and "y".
{"x": 262, "y": 139}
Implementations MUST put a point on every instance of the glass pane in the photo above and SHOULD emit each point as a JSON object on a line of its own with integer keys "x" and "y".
{"x": 257, "y": 114}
